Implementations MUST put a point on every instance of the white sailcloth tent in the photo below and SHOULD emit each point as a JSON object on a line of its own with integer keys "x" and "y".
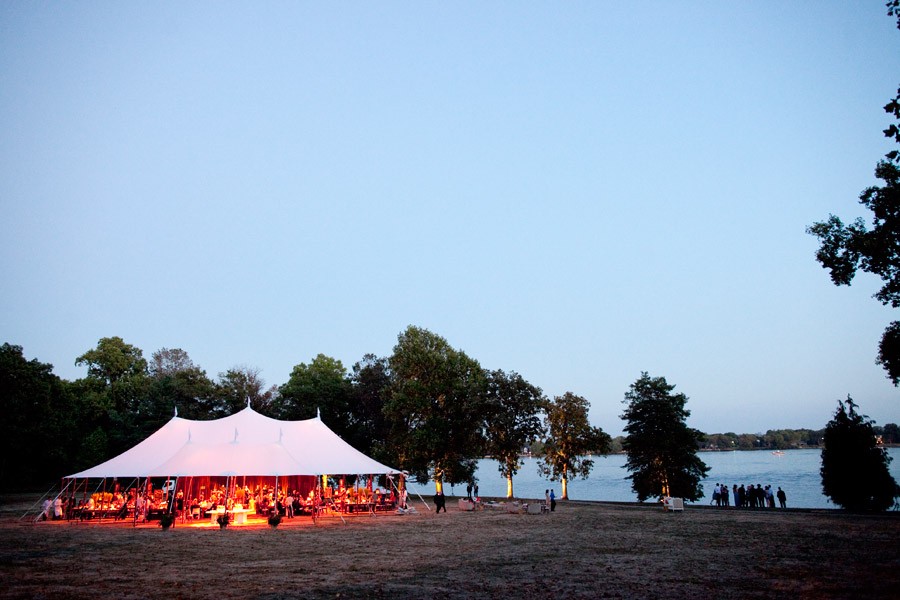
{"x": 245, "y": 443}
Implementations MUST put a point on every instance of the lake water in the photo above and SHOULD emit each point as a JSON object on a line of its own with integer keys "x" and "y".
{"x": 796, "y": 472}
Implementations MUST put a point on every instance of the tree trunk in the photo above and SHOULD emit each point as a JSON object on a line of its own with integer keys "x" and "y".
{"x": 509, "y": 487}
{"x": 565, "y": 484}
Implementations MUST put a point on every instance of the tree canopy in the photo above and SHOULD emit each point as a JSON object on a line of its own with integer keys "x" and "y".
{"x": 434, "y": 401}
{"x": 854, "y": 469}
{"x": 36, "y": 433}
{"x": 116, "y": 383}
{"x": 846, "y": 249}
{"x": 239, "y": 385}
{"x": 662, "y": 449}
{"x": 318, "y": 388}
{"x": 570, "y": 437}
{"x": 371, "y": 380}
{"x": 512, "y": 420}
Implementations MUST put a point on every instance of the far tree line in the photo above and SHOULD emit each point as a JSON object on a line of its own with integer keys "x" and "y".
{"x": 428, "y": 409}
{"x": 773, "y": 439}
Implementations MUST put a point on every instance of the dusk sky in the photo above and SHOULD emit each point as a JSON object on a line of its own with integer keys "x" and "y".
{"x": 575, "y": 191}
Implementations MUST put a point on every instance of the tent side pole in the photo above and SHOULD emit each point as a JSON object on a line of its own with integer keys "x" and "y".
{"x": 400, "y": 494}
{"x": 41, "y": 499}
{"x": 102, "y": 500}
{"x": 315, "y": 507}
{"x": 173, "y": 500}
{"x": 137, "y": 491}
{"x": 125, "y": 497}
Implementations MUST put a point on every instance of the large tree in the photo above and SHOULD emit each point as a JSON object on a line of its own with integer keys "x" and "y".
{"x": 239, "y": 386}
{"x": 170, "y": 361}
{"x": 115, "y": 386}
{"x": 120, "y": 366}
{"x": 176, "y": 382}
{"x": 371, "y": 380}
{"x": 661, "y": 448}
{"x": 846, "y": 249}
{"x": 854, "y": 469}
{"x": 39, "y": 429}
{"x": 570, "y": 437}
{"x": 435, "y": 408}
{"x": 321, "y": 387}
{"x": 512, "y": 421}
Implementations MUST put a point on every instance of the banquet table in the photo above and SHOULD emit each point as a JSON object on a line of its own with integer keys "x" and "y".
{"x": 240, "y": 515}
{"x": 214, "y": 514}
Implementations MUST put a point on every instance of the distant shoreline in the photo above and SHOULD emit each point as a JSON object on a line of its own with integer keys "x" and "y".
{"x": 533, "y": 455}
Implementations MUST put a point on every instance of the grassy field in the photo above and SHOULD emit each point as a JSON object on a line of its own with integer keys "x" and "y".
{"x": 583, "y": 550}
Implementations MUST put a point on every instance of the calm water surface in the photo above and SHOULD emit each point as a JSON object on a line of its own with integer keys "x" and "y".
{"x": 796, "y": 472}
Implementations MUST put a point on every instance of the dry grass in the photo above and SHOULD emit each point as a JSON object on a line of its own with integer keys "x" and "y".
{"x": 581, "y": 551}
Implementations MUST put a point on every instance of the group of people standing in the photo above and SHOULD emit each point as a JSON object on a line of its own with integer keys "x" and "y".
{"x": 470, "y": 488}
{"x": 749, "y": 496}
{"x": 54, "y": 509}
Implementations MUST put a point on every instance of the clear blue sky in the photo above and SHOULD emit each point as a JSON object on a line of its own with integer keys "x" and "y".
{"x": 576, "y": 191}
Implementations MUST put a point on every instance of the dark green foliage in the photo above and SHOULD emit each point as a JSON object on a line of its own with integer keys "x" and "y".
{"x": 37, "y": 442}
{"x": 176, "y": 382}
{"x": 845, "y": 249}
{"x": 775, "y": 439}
{"x": 190, "y": 391}
{"x": 570, "y": 437}
{"x": 237, "y": 387}
{"x": 436, "y": 399}
{"x": 512, "y": 420}
{"x": 371, "y": 380}
{"x": 889, "y": 352}
{"x": 111, "y": 395}
{"x": 322, "y": 388}
{"x": 854, "y": 469}
{"x": 891, "y": 433}
{"x": 662, "y": 449}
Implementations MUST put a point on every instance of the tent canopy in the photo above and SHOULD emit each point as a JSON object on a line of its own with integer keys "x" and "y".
{"x": 245, "y": 443}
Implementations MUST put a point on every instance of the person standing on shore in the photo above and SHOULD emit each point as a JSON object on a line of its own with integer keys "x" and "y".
{"x": 737, "y": 496}
{"x": 552, "y": 501}
{"x": 782, "y": 498}
{"x": 440, "y": 502}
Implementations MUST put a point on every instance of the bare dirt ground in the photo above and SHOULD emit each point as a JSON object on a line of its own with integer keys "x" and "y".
{"x": 583, "y": 550}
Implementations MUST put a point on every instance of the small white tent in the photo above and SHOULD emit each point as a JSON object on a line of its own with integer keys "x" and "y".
{"x": 245, "y": 443}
